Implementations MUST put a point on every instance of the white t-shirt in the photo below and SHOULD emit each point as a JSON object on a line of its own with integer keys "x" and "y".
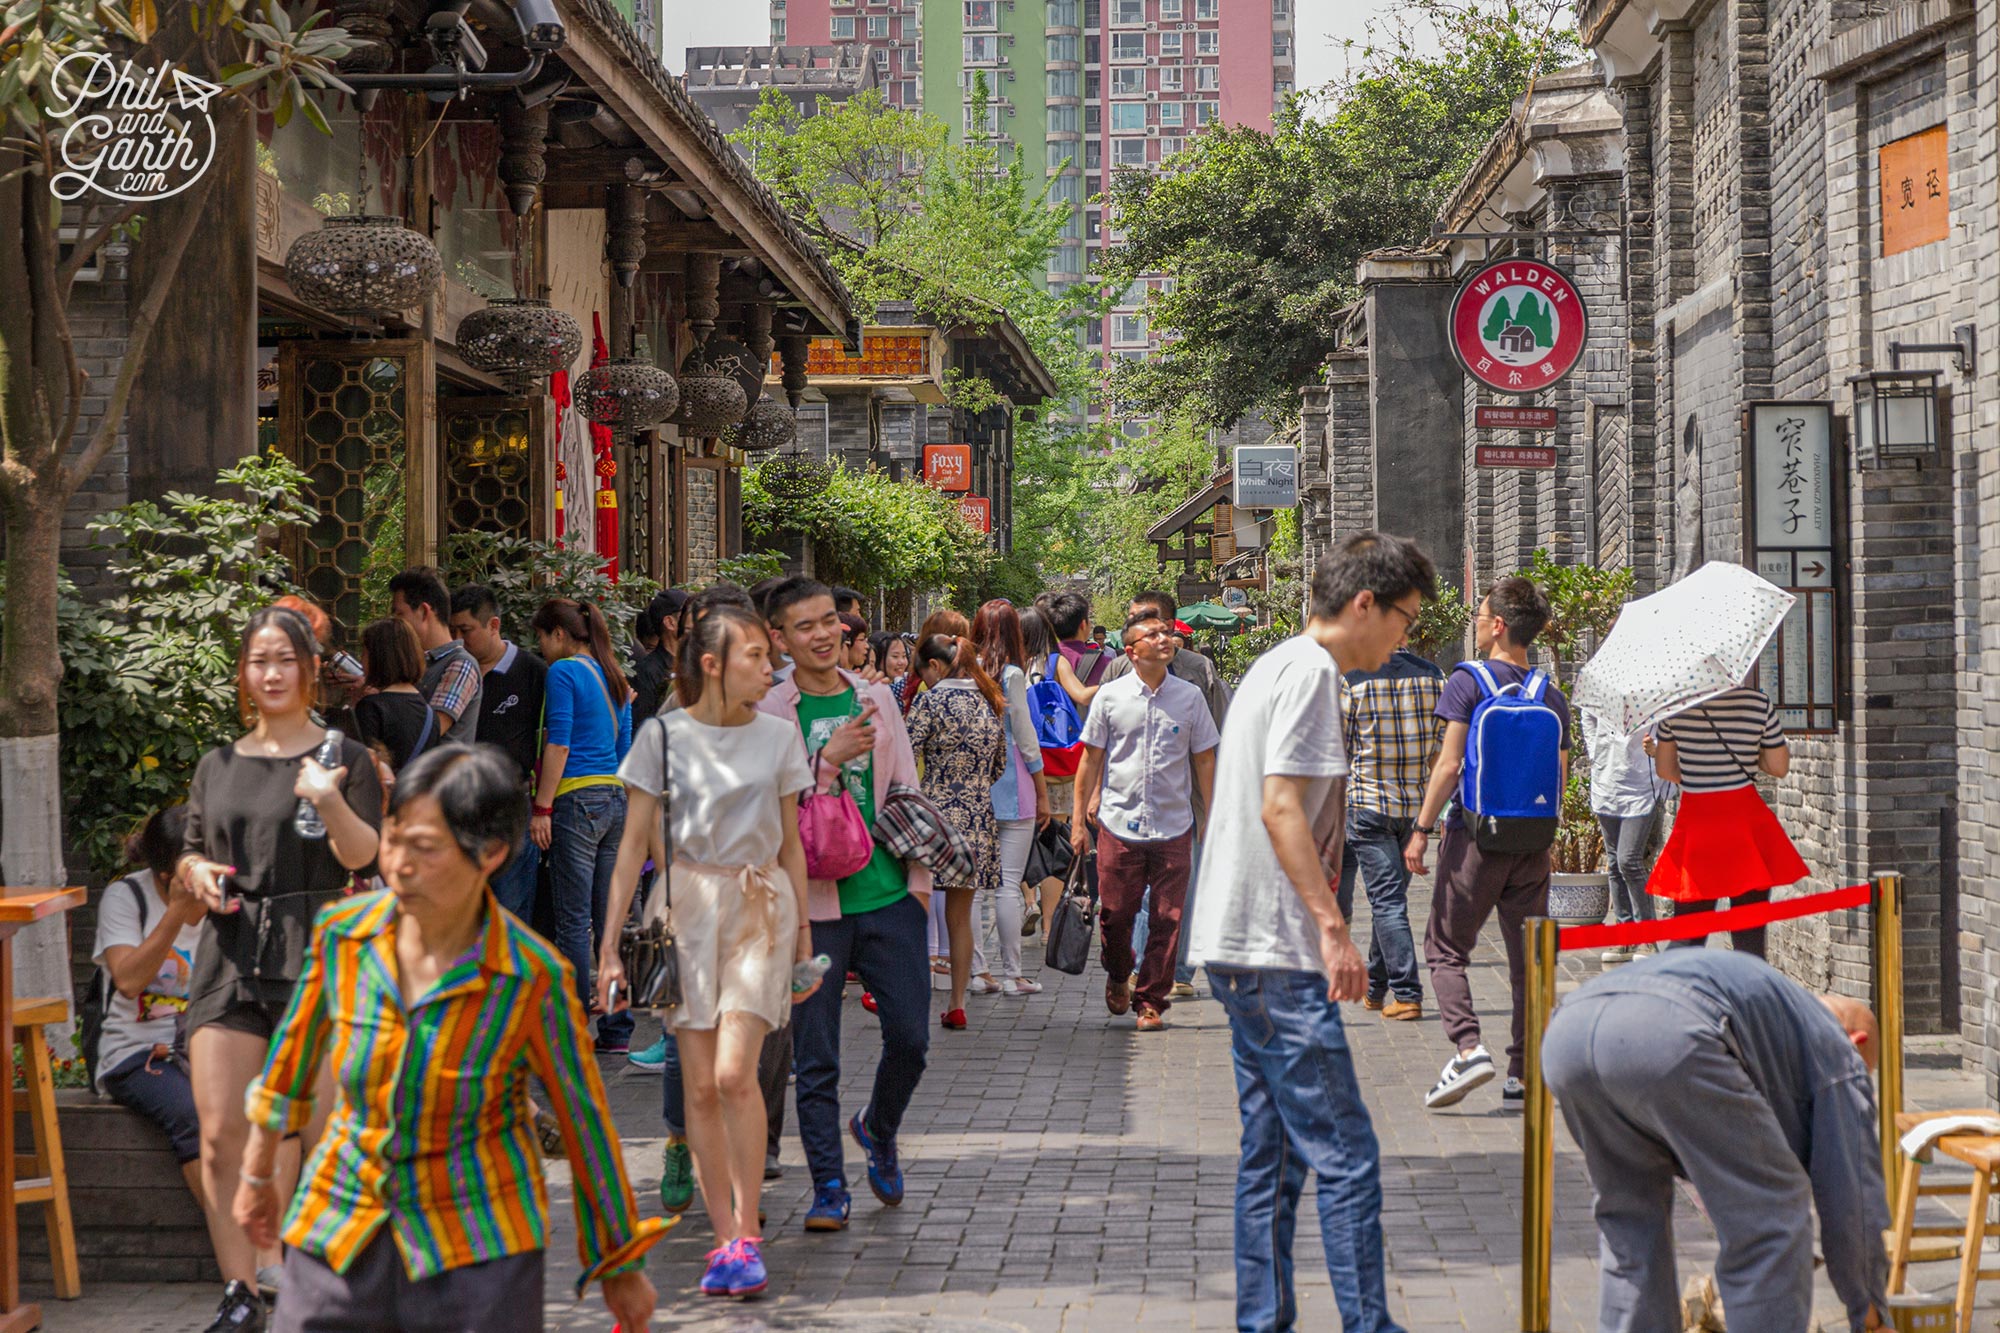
{"x": 1285, "y": 722}
{"x": 141, "y": 1024}
{"x": 727, "y": 784}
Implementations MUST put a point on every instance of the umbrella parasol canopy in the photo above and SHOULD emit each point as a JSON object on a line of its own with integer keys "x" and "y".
{"x": 1210, "y": 615}
{"x": 1681, "y": 646}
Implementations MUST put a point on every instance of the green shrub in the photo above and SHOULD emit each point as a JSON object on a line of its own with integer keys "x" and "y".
{"x": 524, "y": 573}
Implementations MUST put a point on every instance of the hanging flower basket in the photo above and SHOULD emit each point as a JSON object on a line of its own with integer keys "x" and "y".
{"x": 794, "y": 477}
{"x": 520, "y": 339}
{"x": 363, "y": 263}
{"x": 627, "y": 394}
{"x": 768, "y": 425}
{"x": 712, "y": 400}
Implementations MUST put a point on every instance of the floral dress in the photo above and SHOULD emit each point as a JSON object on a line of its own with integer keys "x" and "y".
{"x": 962, "y": 748}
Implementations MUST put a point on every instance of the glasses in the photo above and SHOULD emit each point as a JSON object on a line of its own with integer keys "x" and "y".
{"x": 1148, "y": 634}
{"x": 1409, "y": 620}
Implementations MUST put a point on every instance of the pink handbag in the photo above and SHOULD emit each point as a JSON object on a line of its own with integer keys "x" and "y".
{"x": 835, "y": 835}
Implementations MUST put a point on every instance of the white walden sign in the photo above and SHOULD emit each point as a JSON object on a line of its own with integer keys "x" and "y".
{"x": 130, "y": 133}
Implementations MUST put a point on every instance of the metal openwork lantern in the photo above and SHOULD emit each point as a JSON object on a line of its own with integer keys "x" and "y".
{"x": 520, "y": 339}
{"x": 768, "y": 425}
{"x": 1896, "y": 417}
{"x": 362, "y": 263}
{"x": 627, "y": 394}
{"x": 794, "y": 477}
{"x": 712, "y": 400}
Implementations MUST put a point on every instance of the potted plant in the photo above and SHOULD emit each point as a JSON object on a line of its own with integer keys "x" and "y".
{"x": 1579, "y": 889}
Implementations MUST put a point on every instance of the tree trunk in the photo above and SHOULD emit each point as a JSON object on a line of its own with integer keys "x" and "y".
{"x": 30, "y": 783}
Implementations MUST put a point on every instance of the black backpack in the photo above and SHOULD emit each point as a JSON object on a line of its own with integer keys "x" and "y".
{"x": 97, "y": 1002}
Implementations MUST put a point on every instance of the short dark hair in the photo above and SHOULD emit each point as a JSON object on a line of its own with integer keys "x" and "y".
{"x": 843, "y": 596}
{"x": 475, "y": 600}
{"x": 1159, "y": 601}
{"x": 762, "y": 589}
{"x": 421, "y": 585}
{"x": 1391, "y": 567}
{"x": 156, "y": 844}
{"x": 788, "y": 592}
{"x": 390, "y": 654}
{"x": 1143, "y": 618}
{"x": 1518, "y": 602}
{"x": 722, "y": 594}
{"x": 478, "y": 790}
{"x": 1067, "y": 612}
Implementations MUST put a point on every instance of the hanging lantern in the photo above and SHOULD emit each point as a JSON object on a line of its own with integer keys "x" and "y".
{"x": 794, "y": 477}
{"x": 768, "y": 425}
{"x": 362, "y": 263}
{"x": 712, "y": 399}
{"x": 519, "y": 339}
{"x": 626, "y": 393}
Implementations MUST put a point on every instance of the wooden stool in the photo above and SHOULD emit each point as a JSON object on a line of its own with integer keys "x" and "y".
{"x": 40, "y": 1176}
{"x": 1982, "y": 1154}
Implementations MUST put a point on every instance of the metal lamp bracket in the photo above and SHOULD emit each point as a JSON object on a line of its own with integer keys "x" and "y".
{"x": 1963, "y": 348}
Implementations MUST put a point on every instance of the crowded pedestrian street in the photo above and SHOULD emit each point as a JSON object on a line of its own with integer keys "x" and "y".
{"x": 1066, "y": 1176}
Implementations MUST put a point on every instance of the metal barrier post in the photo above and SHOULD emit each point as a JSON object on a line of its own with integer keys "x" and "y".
{"x": 1888, "y": 980}
{"x": 1538, "y": 1143}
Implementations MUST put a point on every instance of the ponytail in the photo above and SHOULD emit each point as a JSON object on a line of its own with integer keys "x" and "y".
{"x": 962, "y": 660}
{"x": 585, "y": 624}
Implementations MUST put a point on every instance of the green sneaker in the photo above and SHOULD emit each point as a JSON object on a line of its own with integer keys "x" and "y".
{"x": 676, "y": 1176}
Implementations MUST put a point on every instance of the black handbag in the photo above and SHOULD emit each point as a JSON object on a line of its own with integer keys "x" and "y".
{"x": 1050, "y": 855}
{"x": 1073, "y": 923}
{"x": 646, "y": 949}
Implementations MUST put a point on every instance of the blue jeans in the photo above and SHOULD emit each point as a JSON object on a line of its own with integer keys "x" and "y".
{"x": 583, "y": 847}
{"x": 1375, "y": 849}
{"x": 887, "y": 948}
{"x": 514, "y": 886}
{"x": 160, "y": 1091}
{"x": 1302, "y": 1111}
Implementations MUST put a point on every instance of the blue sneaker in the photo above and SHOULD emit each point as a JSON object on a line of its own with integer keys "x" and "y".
{"x": 749, "y": 1277}
{"x": 651, "y": 1060}
{"x": 885, "y": 1177}
{"x": 829, "y": 1207}
{"x": 723, "y": 1264}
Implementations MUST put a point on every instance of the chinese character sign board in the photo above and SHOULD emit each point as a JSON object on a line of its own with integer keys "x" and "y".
{"x": 1793, "y": 541}
{"x": 1518, "y": 325}
{"x": 978, "y": 511}
{"x": 1514, "y": 455}
{"x": 948, "y": 466}
{"x": 1266, "y": 476}
{"x": 1916, "y": 193}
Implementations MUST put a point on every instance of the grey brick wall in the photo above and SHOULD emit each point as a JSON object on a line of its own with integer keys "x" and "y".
{"x": 97, "y": 326}
{"x": 704, "y": 518}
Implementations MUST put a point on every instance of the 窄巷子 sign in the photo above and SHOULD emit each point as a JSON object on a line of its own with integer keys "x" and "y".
{"x": 1518, "y": 325}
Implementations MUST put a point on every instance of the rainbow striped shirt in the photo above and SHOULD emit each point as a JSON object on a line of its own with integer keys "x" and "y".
{"x": 432, "y": 1132}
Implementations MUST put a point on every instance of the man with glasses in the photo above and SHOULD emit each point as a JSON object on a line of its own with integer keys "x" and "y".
{"x": 1472, "y": 884}
{"x": 1146, "y": 735}
{"x": 1393, "y": 734}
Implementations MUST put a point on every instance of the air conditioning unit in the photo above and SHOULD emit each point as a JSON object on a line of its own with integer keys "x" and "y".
{"x": 1152, "y": 131}
{"x": 1152, "y": 95}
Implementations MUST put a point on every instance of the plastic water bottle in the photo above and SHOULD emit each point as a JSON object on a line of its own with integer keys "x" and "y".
{"x": 306, "y": 818}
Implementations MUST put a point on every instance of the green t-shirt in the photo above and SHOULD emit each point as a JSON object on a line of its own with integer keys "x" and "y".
{"x": 881, "y": 881}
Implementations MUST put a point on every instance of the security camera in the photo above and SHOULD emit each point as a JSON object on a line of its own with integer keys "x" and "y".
{"x": 541, "y": 28}
{"x": 454, "y": 43}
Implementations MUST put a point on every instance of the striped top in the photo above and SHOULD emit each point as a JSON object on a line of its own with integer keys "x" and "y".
{"x": 1719, "y": 742}
{"x": 431, "y": 1133}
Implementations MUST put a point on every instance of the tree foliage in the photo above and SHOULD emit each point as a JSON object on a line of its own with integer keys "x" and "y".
{"x": 1262, "y": 232}
{"x": 524, "y": 573}
{"x": 872, "y": 534}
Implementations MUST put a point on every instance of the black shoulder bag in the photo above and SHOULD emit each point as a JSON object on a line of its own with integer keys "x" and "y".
{"x": 646, "y": 949}
{"x": 1073, "y": 924}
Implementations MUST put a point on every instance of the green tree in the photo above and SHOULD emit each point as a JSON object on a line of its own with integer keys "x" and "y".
{"x": 1263, "y": 231}
{"x": 1533, "y": 315}
{"x": 1496, "y": 323}
{"x": 47, "y": 450}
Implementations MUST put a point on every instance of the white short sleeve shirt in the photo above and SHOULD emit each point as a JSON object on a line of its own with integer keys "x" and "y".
{"x": 727, "y": 784}
{"x": 1148, "y": 736}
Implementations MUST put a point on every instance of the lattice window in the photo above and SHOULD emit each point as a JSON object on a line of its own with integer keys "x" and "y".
{"x": 493, "y": 465}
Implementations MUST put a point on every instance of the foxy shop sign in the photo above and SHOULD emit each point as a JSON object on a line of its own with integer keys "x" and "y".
{"x": 130, "y": 133}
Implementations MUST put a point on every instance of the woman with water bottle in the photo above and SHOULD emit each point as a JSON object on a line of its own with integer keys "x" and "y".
{"x": 277, "y": 823}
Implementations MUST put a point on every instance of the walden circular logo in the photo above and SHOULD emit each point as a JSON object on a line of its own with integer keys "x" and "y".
{"x": 1518, "y": 325}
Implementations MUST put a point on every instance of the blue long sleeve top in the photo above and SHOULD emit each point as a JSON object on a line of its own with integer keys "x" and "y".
{"x": 577, "y": 713}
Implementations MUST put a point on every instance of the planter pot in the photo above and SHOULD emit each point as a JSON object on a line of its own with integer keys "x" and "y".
{"x": 1579, "y": 900}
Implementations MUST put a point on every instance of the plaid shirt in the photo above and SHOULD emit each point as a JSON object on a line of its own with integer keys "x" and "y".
{"x": 457, "y": 683}
{"x": 1393, "y": 735}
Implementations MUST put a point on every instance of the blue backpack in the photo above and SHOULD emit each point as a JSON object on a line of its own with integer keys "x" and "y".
{"x": 1058, "y": 724}
{"x": 1511, "y": 785}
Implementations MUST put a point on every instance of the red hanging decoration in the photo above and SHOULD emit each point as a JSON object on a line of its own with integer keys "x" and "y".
{"x": 559, "y": 390}
{"x": 607, "y": 465}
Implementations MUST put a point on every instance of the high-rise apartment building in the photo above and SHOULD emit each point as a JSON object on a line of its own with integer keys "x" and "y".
{"x": 892, "y": 30}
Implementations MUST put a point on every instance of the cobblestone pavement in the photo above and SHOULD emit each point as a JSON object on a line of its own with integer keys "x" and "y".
{"x": 1066, "y": 1174}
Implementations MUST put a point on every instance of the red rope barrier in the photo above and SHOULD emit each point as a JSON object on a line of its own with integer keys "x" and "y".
{"x": 1697, "y": 925}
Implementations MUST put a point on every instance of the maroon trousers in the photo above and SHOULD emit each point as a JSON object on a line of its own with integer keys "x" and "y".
{"x": 1471, "y": 885}
{"x": 1125, "y": 870}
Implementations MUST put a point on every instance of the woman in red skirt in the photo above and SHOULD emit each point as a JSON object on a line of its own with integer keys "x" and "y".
{"x": 1726, "y": 843}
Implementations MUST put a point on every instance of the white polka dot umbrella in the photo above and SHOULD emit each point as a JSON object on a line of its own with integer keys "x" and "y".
{"x": 1681, "y": 646}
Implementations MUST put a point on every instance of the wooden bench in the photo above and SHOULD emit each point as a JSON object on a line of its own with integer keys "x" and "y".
{"x": 1982, "y": 1154}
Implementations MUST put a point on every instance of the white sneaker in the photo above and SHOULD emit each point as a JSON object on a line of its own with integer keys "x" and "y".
{"x": 1513, "y": 1095}
{"x": 1617, "y": 953}
{"x": 983, "y": 986}
{"x": 1019, "y": 988}
{"x": 1462, "y": 1073}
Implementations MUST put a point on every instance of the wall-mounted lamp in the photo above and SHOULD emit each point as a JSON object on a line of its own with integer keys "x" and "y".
{"x": 1896, "y": 417}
